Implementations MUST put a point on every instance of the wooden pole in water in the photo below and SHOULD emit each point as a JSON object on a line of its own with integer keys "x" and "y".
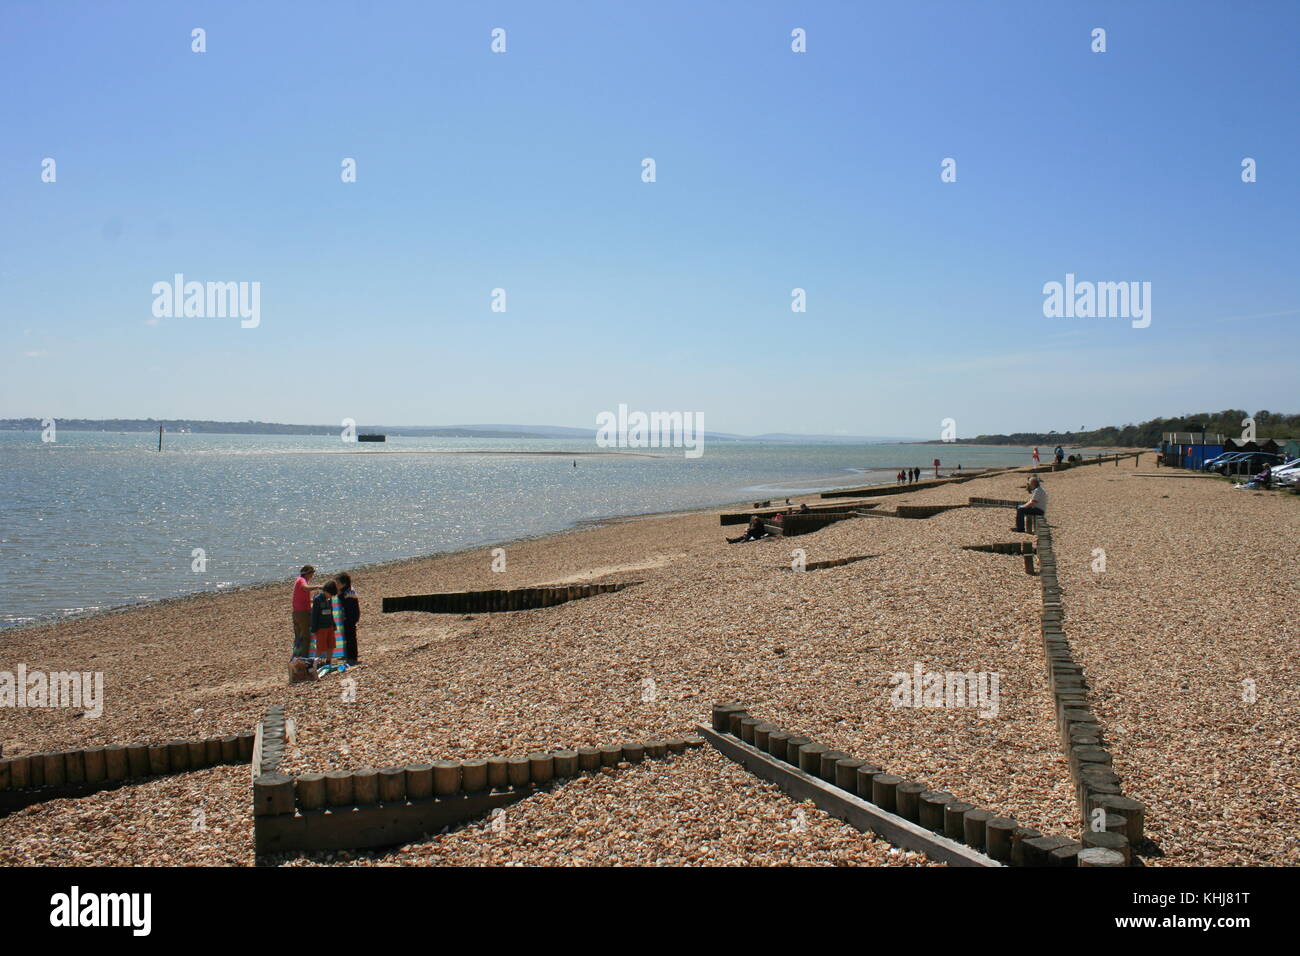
{"x": 160, "y": 438}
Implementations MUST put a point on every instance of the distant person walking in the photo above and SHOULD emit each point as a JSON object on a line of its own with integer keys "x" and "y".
{"x": 1060, "y": 455}
{"x": 351, "y": 615}
{"x": 1036, "y": 456}
{"x": 302, "y": 589}
{"x": 1036, "y": 505}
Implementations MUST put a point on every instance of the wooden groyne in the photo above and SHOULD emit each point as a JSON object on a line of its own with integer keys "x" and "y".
{"x": 361, "y": 809}
{"x": 742, "y": 517}
{"x": 486, "y": 602}
{"x": 873, "y": 491}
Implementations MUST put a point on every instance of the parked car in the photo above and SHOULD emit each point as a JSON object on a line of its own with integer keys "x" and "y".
{"x": 1248, "y": 464}
{"x": 1220, "y": 459}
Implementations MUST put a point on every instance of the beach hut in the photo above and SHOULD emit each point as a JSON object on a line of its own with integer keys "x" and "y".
{"x": 1190, "y": 449}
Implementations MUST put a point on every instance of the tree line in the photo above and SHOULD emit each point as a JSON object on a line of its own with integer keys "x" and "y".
{"x": 1148, "y": 434}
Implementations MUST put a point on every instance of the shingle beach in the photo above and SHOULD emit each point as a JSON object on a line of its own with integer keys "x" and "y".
{"x": 1196, "y": 601}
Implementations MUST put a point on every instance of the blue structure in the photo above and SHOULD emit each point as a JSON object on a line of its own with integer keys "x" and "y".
{"x": 1190, "y": 449}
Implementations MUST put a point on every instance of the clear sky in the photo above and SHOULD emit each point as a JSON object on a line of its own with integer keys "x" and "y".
{"x": 775, "y": 170}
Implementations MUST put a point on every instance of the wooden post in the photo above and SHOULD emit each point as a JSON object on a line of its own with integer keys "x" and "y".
{"x": 1098, "y": 856}
{"x": 776, "y": 743}
{"x": 498, "y": 769}
{"x": 1107, "y": 841}
{"x": 864, "y": 777}
{"x": 365, "y": 786}
{"x": 419, "y": 781}
{"x": 973, "y": 828}
{"x": 826, "y": 766}
{"x": 1019, "y": 836}
{"x": 272, "y": 794}
{"x": 392, "y": 785}
{"x": 884, "y": 791}
{"x": 95, "y": 764}
{"x": 1132, "y": 810}
{"x": 446, "y": 777}
{"x": 20, "y": 772}
{"x": 518, "y": 768}
{"x": 589, "y": 757}
{"x": 610, "y": 754}
{"x": 810, "y": 757}
{"x": 997, "y": 838}
{"x": 908, "y": 797}
{"x": 158, "y": 758}
{"x": 541, "y": 767}
{"x": 338, "y": 788}
{"x": 792, "y": 748}
{"x": 1065, "y": 855}
{"x": 137, "y": 760}
{"x": 932, "y": 804}
{"x": 566, "y": 761}
{"x": 74, "y": 768}
{"x": 310, "y": 791}
{"x": 474, "y": 775}
{"x": 954, "y": 819}
{"x": 846, "y": 773}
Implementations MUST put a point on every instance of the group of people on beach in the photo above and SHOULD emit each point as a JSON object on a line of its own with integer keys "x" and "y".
{"x": 1058, "y": 453}
{"x": 324, "y": 625}
{"x": 907, "y": 476}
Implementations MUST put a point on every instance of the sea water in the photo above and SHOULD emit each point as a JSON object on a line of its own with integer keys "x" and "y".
{"x": 96, "y": 520}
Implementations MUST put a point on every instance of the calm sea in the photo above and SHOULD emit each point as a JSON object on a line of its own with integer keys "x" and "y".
{"x": 98, "y": 520}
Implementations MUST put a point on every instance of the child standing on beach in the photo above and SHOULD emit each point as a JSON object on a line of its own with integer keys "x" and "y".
{"x": 323, "y": 622}
{"x": 351, "y": 615}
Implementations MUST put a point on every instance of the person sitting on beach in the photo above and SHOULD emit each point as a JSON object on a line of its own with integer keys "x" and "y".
{"x": 1036, "y": 505}
{"x": 752, "y": 533}
{"x": 302, "y": 610}
{"x": 351, "y": 615}
{"x": 803, "y": 508}
{"x": 1263, "y": 480}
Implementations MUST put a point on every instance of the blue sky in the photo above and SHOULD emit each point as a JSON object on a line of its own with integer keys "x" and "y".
{"x": 775, "y": 170}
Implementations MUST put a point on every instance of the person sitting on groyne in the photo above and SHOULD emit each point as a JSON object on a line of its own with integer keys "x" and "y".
{"x": 1036, "y": 505}
{"x": 752, "y": 533}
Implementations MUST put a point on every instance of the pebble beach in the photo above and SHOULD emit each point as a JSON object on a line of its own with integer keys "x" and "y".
{"x": 1187, "y": 637}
